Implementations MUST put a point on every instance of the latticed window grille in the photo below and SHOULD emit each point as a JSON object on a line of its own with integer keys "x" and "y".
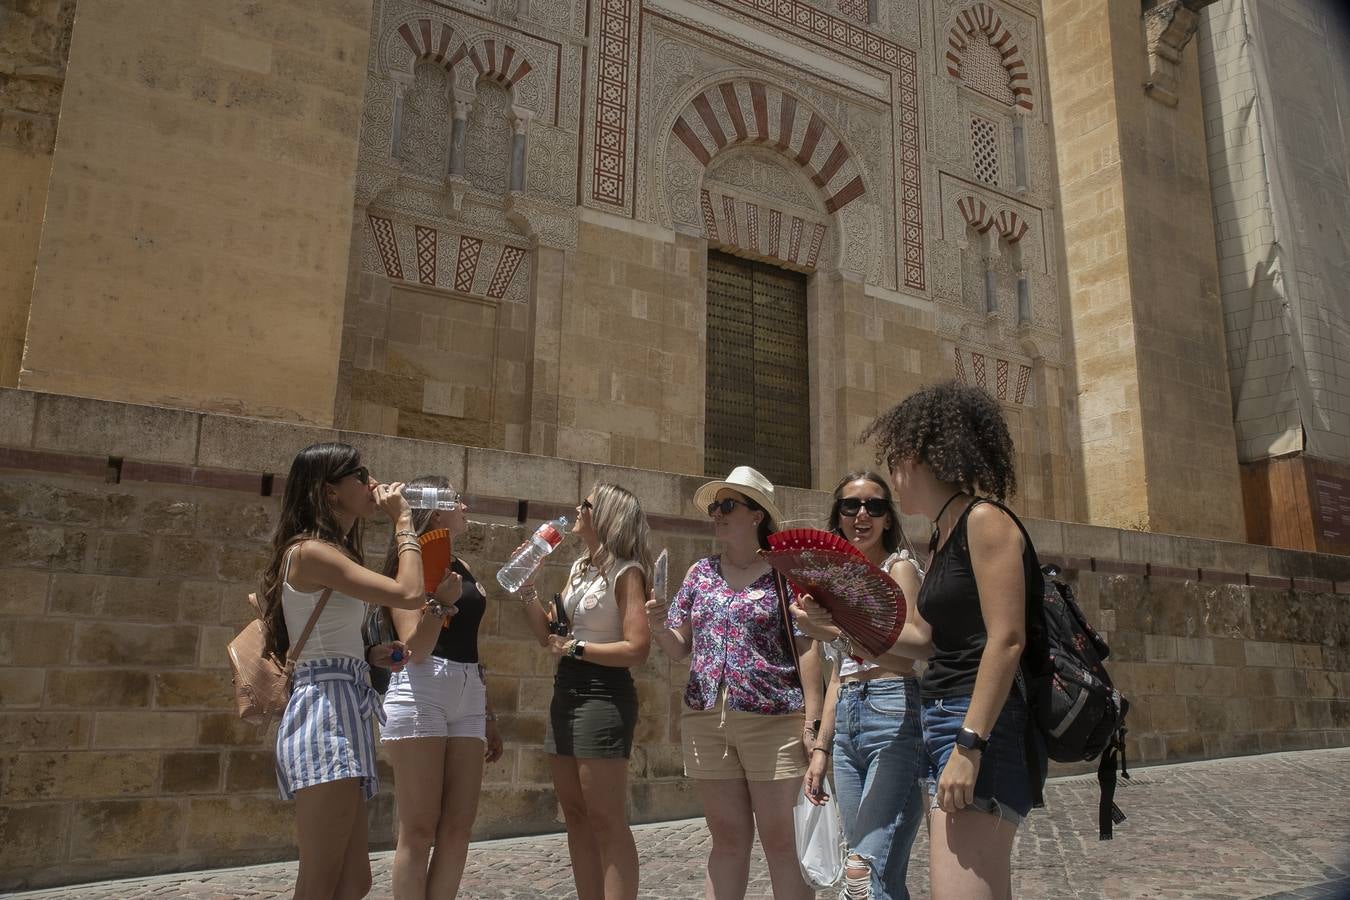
{"x": 982, "y": 69}
{"x": 984, "y": 150}
{"x": 758, "y": 409}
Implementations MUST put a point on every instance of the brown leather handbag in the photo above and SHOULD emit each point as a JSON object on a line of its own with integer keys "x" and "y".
{"x": 262, "y": 682}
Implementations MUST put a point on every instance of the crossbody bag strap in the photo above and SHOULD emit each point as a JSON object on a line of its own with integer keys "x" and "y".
{"x": 299, "y": 645}
{"x": 782, "y": 584}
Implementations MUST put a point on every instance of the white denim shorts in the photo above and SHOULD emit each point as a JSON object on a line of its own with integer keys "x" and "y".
{"x": 436, "y": 698}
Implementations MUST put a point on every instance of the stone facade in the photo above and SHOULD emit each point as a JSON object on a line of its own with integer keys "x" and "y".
{"x": 560, "y": 179}
{"x": 130, "y": 536}
{"x": 525, "y": 194}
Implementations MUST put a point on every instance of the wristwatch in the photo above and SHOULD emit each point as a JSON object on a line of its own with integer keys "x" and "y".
{"x": 967, "y": 739}
{"x": 576, "y": 649}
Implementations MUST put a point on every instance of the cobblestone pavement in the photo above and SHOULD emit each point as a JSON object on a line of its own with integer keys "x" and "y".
{"x": 1275, "y": 826}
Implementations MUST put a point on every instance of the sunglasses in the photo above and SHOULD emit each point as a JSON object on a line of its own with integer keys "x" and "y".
{"x": 727, "y": 505}
{"x": 586, "y": 504}
{"x": 361, "y": 472}
{"x": 876, "y": 507}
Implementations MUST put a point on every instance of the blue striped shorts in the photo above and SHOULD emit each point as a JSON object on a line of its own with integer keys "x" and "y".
{"x": 325, "y": 733}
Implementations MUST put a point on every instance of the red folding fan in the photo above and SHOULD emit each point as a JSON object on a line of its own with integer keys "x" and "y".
{"x": 863, "y": 600}
{"x": 435, "y": 557}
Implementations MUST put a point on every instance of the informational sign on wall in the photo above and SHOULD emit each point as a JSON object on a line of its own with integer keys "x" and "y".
{"x": 1331, "y": 512}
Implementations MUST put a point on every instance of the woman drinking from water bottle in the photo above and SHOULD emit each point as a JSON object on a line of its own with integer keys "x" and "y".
{"x": 325, "y": 746}
{"x": 594, "y": 710}
{"x": 439, "y": 728}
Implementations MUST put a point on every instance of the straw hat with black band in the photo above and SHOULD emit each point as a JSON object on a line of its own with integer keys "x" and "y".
{"x": 747, "y": 482}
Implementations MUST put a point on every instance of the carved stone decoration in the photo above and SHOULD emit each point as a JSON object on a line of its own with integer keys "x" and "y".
{"x": 548, "y": 224}
{"x": 751, "y": 111}
{"x": 438, "y": 257}
{"x": 979, "y": 22}
{"x": 1169, "y": 26}
{"x": 1007, "y": 377}
{"x": 488, "y": 138}
{"x": 425, "y": 145}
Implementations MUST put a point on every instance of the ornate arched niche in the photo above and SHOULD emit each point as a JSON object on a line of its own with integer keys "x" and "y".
{"x": 727, "y": 127}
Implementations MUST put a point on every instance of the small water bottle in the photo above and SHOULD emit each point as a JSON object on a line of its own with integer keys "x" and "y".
{"x": 431, "y": 497}
{"x": 520, "y": 567}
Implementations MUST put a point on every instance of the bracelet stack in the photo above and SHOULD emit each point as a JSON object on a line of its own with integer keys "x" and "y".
{"x": 407, "y": 540}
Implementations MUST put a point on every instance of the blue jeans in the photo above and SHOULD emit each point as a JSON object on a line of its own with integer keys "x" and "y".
{"x": 1003, "y": 783}
{"x": 878, "y": 760}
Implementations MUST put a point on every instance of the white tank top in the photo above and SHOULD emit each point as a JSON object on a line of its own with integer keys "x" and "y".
{"x": 338, "y": 631}
{"x": 592, "y": 607}
{"x": 849, "y": 665}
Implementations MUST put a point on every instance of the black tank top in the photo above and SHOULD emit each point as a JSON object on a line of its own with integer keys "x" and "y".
{"x": 949, "y": 601}
{"x": 458, "y": 641}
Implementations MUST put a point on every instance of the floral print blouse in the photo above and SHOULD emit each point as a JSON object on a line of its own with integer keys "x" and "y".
{"x": 738, "y": 640}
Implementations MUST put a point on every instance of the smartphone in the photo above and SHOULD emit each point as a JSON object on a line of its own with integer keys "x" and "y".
{"x": 659, "y": 576}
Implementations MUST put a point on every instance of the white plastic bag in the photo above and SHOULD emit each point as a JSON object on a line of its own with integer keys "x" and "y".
{"x": 820, "y": 842}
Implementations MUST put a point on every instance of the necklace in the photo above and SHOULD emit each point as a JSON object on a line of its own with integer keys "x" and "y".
{"x": 937, "y": 532}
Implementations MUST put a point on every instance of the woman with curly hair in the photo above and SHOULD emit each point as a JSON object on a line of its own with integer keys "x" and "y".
{"x": 951, "y": 460}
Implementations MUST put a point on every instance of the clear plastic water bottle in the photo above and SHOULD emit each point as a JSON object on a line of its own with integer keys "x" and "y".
{"x": 520, "y": 567}
{"x": 431, "y": 497}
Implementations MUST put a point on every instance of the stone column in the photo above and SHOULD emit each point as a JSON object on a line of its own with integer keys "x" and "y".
{"x": 458, "y": 124}
{"x": 520, "y": 121}
{"x": 401, "y": 86}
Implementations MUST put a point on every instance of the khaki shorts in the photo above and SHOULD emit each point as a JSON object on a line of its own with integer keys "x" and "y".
{"x": 722, "y": 743}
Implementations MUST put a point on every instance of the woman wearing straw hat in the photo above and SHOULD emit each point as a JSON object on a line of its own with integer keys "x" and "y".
{"x": 749, "y": 715}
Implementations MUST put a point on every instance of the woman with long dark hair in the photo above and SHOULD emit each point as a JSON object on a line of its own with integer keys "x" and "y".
{"x": 325, "y": 746}
{"x": 594, "y": 711}
{"x": 951, "y": 460}
{"x": 870, "y": 720}
{"x": 439, "y": 728}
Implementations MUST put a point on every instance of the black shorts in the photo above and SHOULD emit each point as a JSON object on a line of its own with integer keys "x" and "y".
{"x": 594, "y": 711}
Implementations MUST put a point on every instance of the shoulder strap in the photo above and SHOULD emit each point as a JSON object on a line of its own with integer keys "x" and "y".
{"x": 313, "y": 617}
{"x": 783, "y": 593}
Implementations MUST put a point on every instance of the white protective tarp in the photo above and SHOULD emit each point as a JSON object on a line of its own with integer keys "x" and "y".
{"x": 1275, "y": 77}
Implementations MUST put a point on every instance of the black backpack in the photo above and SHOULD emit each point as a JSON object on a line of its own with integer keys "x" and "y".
{"x": 1078, "y": 712}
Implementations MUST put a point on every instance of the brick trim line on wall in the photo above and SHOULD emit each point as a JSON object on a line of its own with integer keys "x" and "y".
{"x": 114, "y": 470}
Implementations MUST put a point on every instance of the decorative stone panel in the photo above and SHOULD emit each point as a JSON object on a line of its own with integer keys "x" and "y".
{"x": 1007, "y": 379}
{"x": 977, "y": 30}
{"x": 791, "y": 238}
{"x": 437, "y": 257}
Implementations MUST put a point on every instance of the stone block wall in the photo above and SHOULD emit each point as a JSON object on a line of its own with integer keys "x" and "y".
{"x": 1154, "y": 409}
{"x": 200, "y": 203}
{"x": 129, "y": 537}
{"x": 34, "y": 45}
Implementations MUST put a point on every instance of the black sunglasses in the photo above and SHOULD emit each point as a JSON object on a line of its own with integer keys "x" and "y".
{"x": 727, "y": 505}
{"x": 361, "y": 472}
{"x": 586, "y": 504}
{"x": 876, "y": 507}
